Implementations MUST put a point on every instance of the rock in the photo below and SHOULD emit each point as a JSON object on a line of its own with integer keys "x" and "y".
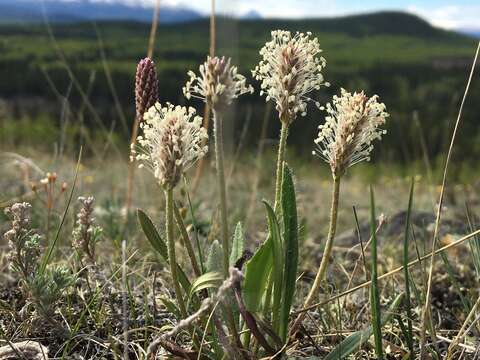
{"x": 30, "y": 350}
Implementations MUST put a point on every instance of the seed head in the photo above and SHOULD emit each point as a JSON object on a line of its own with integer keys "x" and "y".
{"x": 146, "y": 86}
{"x": 218, "y": 83}
{"x": 85, "y": 233}
{"x": 289, "y": 71}
{"x": 172, "y": 142}
{"x": 353, "y": 122}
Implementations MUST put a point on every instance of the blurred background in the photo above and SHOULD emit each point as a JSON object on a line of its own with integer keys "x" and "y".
{"x": 67, "y": 73}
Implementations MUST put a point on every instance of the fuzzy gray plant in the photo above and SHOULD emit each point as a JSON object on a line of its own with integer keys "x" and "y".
{"x": 42, "y": 287}
{"x": 47, "y": 288}
{"x": 86, "y": 234}
{"x": 23, "y": 243}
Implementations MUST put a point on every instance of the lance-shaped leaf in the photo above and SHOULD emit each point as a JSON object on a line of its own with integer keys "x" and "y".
{"x": 290, "y": 238}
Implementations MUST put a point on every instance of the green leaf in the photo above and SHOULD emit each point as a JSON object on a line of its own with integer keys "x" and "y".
{"x": 171, "y": 307}
{"x": 257, "y": 271}
{"x": 357, "y": 339}
{"x": 152, "y": 234}
{"x": 374, "y": 292}
{"x": 215, "y": 257}
{"x": 159, "y": 245}
{"x": 290, "y": 237}
{"x": 237, "y": 245}
{"x": 278, "y": 263}
{"x": 206, "y": 281}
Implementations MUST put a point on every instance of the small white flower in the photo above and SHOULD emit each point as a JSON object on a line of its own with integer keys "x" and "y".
{"x": 218, "y": 84}
{"x": 172, "y": 142}
{"x": 352, "y": 124}
{"x": 289, "y": 71}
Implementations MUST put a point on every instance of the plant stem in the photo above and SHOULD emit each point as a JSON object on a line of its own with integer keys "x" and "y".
{"x": 186, "y": 241}
{"x": 171, "y": 249}
{"x": 218, "y": 134}
{"x": 322, "y": 270}
{"x": 280, "y": 160}
{"x": 278, "y": 197}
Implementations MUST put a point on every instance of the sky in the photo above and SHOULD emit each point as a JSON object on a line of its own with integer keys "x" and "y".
{"x": 460, "y": 14}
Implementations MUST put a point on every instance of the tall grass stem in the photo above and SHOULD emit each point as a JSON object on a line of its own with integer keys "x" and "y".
{"x": 408, "y": 305}
{"x": 426, "y": 309}
{"x": 374, "y": 291}
{"x": 206, "y": 113}
{"x": 153, "y": 29}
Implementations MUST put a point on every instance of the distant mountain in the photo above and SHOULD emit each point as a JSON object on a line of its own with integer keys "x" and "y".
{"x": 84, "y": 10}
{"x": 251, "y": 15}
{"x": 472, "y": 32}
{"x": 63, "y": 11}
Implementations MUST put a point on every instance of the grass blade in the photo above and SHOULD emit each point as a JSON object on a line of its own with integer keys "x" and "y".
{"x": 46, "y": 259}
{"x": 408, "y": 305}
{"x": 357, "y": 339}
{"x": 474, "y": 243}
{"x": 374, "y": 292}
{"x": 290, "y": 237}
{"x": 426, "y": 311}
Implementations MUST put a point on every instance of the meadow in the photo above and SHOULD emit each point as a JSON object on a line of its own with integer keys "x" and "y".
{"x": 238, "y": 242}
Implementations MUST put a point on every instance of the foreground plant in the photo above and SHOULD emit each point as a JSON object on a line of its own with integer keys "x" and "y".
{"x": 290, "y": 70}
{"x": 86, "y": 234}
{"x": 41, "y": 288}
{"x": 171, "y": 143}
{"x": 218, "y": 85}
{"x": 24, "y": 245}
{"x": 345, "y": 139}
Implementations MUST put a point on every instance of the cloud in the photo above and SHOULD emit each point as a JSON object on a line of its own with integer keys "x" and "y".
{"x": 446, "y": 14}
{"x": 450, "y": 16}
{"x": 267, "y": 8}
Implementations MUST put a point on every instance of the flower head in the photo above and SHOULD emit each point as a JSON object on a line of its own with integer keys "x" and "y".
{"x": 289, "y": 71}
{"x": 172, "y": 141}
{"x": 146, "y": 86}
{"x": 218, "y": 84}
{"x": 353, "y": 122}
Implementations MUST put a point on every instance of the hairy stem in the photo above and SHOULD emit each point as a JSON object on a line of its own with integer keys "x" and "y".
{"x": 322, "y": 270}
{"x": 278, "y": 197}
{"x": 218, "y": 134}
{"x": 280, "y": 160}
{"x": 171, "y": 249}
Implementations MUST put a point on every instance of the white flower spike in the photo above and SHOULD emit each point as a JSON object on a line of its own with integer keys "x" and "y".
{"x": 352, "y": 124}
{"x": 171, "y": 142}
{"x": 291, "y": 68}
{"x": 218, "y": 84}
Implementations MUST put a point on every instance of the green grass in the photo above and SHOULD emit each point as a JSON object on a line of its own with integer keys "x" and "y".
{"x": 409, "y": 64}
